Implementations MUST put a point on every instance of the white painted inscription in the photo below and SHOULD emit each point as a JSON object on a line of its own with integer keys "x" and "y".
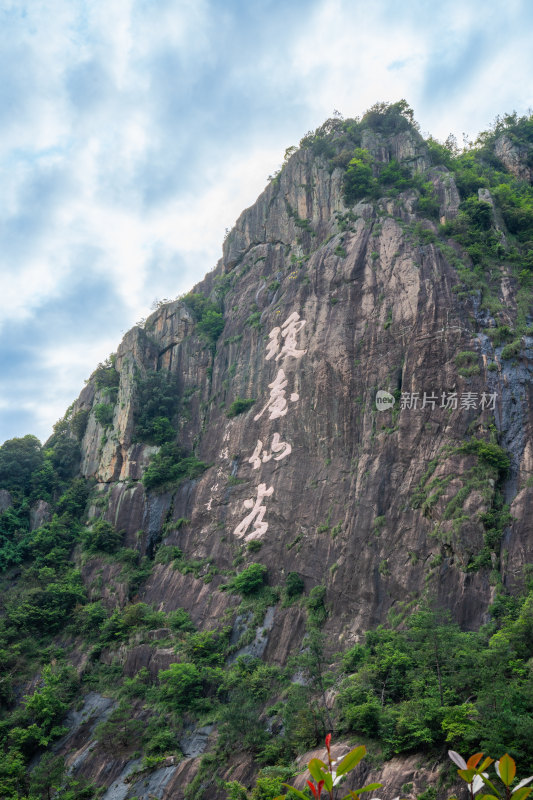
{"x": 277, "y": 405}
{"x": 273, "y": 345}
{"x": 261, "y": 456}
{"x": 288, "y": 331}
{"x": 282, "y": 344}
{"x": 255, "y": 516}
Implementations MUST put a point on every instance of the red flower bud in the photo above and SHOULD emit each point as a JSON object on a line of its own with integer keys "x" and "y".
{"x": 312, "y": 787}
{"x": 328, "y": 740}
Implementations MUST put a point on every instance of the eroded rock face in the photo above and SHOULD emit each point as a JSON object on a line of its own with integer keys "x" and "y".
{"x": 323, "y": 307}
{"x": 514, "y": 157}
{"x": 367, "y": 307}
{"x": 6, "y": 501}
{"x": 39, "y": 514}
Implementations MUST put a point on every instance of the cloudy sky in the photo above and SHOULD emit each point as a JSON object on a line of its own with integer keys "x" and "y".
{"x": 133, "y": 132}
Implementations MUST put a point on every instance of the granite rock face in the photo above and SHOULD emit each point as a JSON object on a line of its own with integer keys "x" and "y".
{"x": 40, "y": 514}
{"x": 6, "y": 501}
{"x": 514, "y": 157}
{"x": 324, "y": 307}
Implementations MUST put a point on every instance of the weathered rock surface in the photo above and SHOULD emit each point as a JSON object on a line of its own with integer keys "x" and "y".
{"x": 6, "y": 501}
{"x": 323, "y": 307}
{"x": 39, "y": 514}
{"x": 514, "y": 157}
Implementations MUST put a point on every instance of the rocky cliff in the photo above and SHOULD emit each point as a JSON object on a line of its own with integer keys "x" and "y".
{"x": 325, "y": 301}
{"x": 323, "y": 306}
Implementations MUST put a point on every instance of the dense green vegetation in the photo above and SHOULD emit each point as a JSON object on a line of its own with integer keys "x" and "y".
{"x": 249, "y": 580}
{"x": 336, "y": 138}
{"x": 30, "y": 472}
{"x": 103, "y": 413}
{"x": 19, "y": 459}
{"x": 157, "y": 399}
{"x": 101, "y": 537}
{"x": 390, "y": 179}
{"x": 37, "y": 605}
{"x": 107, "y": 378}
{"x": 78, "y": 423}
{"x": 44, "y": 604}
{"x": 170, "y": 466}
{"x": 239, "y": 406}
{"x": 422, "y": 687}
{"x": 489, "y": 453}
{"x": 434, "y": 685}
{"x": 208, "y": 315}
{"x": 294, "y": 584}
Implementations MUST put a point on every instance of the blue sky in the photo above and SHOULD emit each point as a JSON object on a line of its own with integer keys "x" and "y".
{"x": 134, "y": 132}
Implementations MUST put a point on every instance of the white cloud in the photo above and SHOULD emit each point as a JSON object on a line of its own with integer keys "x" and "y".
{"x": 350, "y": 55}
{"x": 343, "y": 57}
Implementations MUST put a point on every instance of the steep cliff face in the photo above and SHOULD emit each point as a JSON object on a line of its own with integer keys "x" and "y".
{"x": 323, "y": 306}
{"x": 351, "y": 403}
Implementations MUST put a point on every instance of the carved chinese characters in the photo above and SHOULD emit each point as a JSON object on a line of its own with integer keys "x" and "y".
{"x": 277, "y": 405}
{"x": 260, "y": 456}
{"x": 256, "y": 515}
{"x": 282, "y": 345}
{"x": 288, "y": 331}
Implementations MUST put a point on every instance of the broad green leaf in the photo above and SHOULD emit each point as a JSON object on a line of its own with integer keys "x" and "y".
{"x": 369, "y": 788}
{"x": 474, "y": 760}
{"x": 351, "y": 760}
{"x": 297, "y": 792}
{"x": 490, "y": 785}
{"x": 488, "y": 797}
{"x": 315, "y": 768}
{"x": 522, "y": 793}
{"x": 328, "y": 781}
{"x": 466, "y": 774}
{"x": 507, "y": 769}
{"x": 486, "y": 763}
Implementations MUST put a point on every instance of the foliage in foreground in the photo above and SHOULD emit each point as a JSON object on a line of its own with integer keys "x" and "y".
{"x": 473, "y": 773}
{"x": 326, "y": 776}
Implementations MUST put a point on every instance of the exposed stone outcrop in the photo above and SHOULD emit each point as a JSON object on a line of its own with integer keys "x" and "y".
{"x": 39, "y": 514}
{"x": 515, "y": 157}
{"x": 6, "y": 501}
{"x": 379, "y": 313}
{"x": 323, "y": 307}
